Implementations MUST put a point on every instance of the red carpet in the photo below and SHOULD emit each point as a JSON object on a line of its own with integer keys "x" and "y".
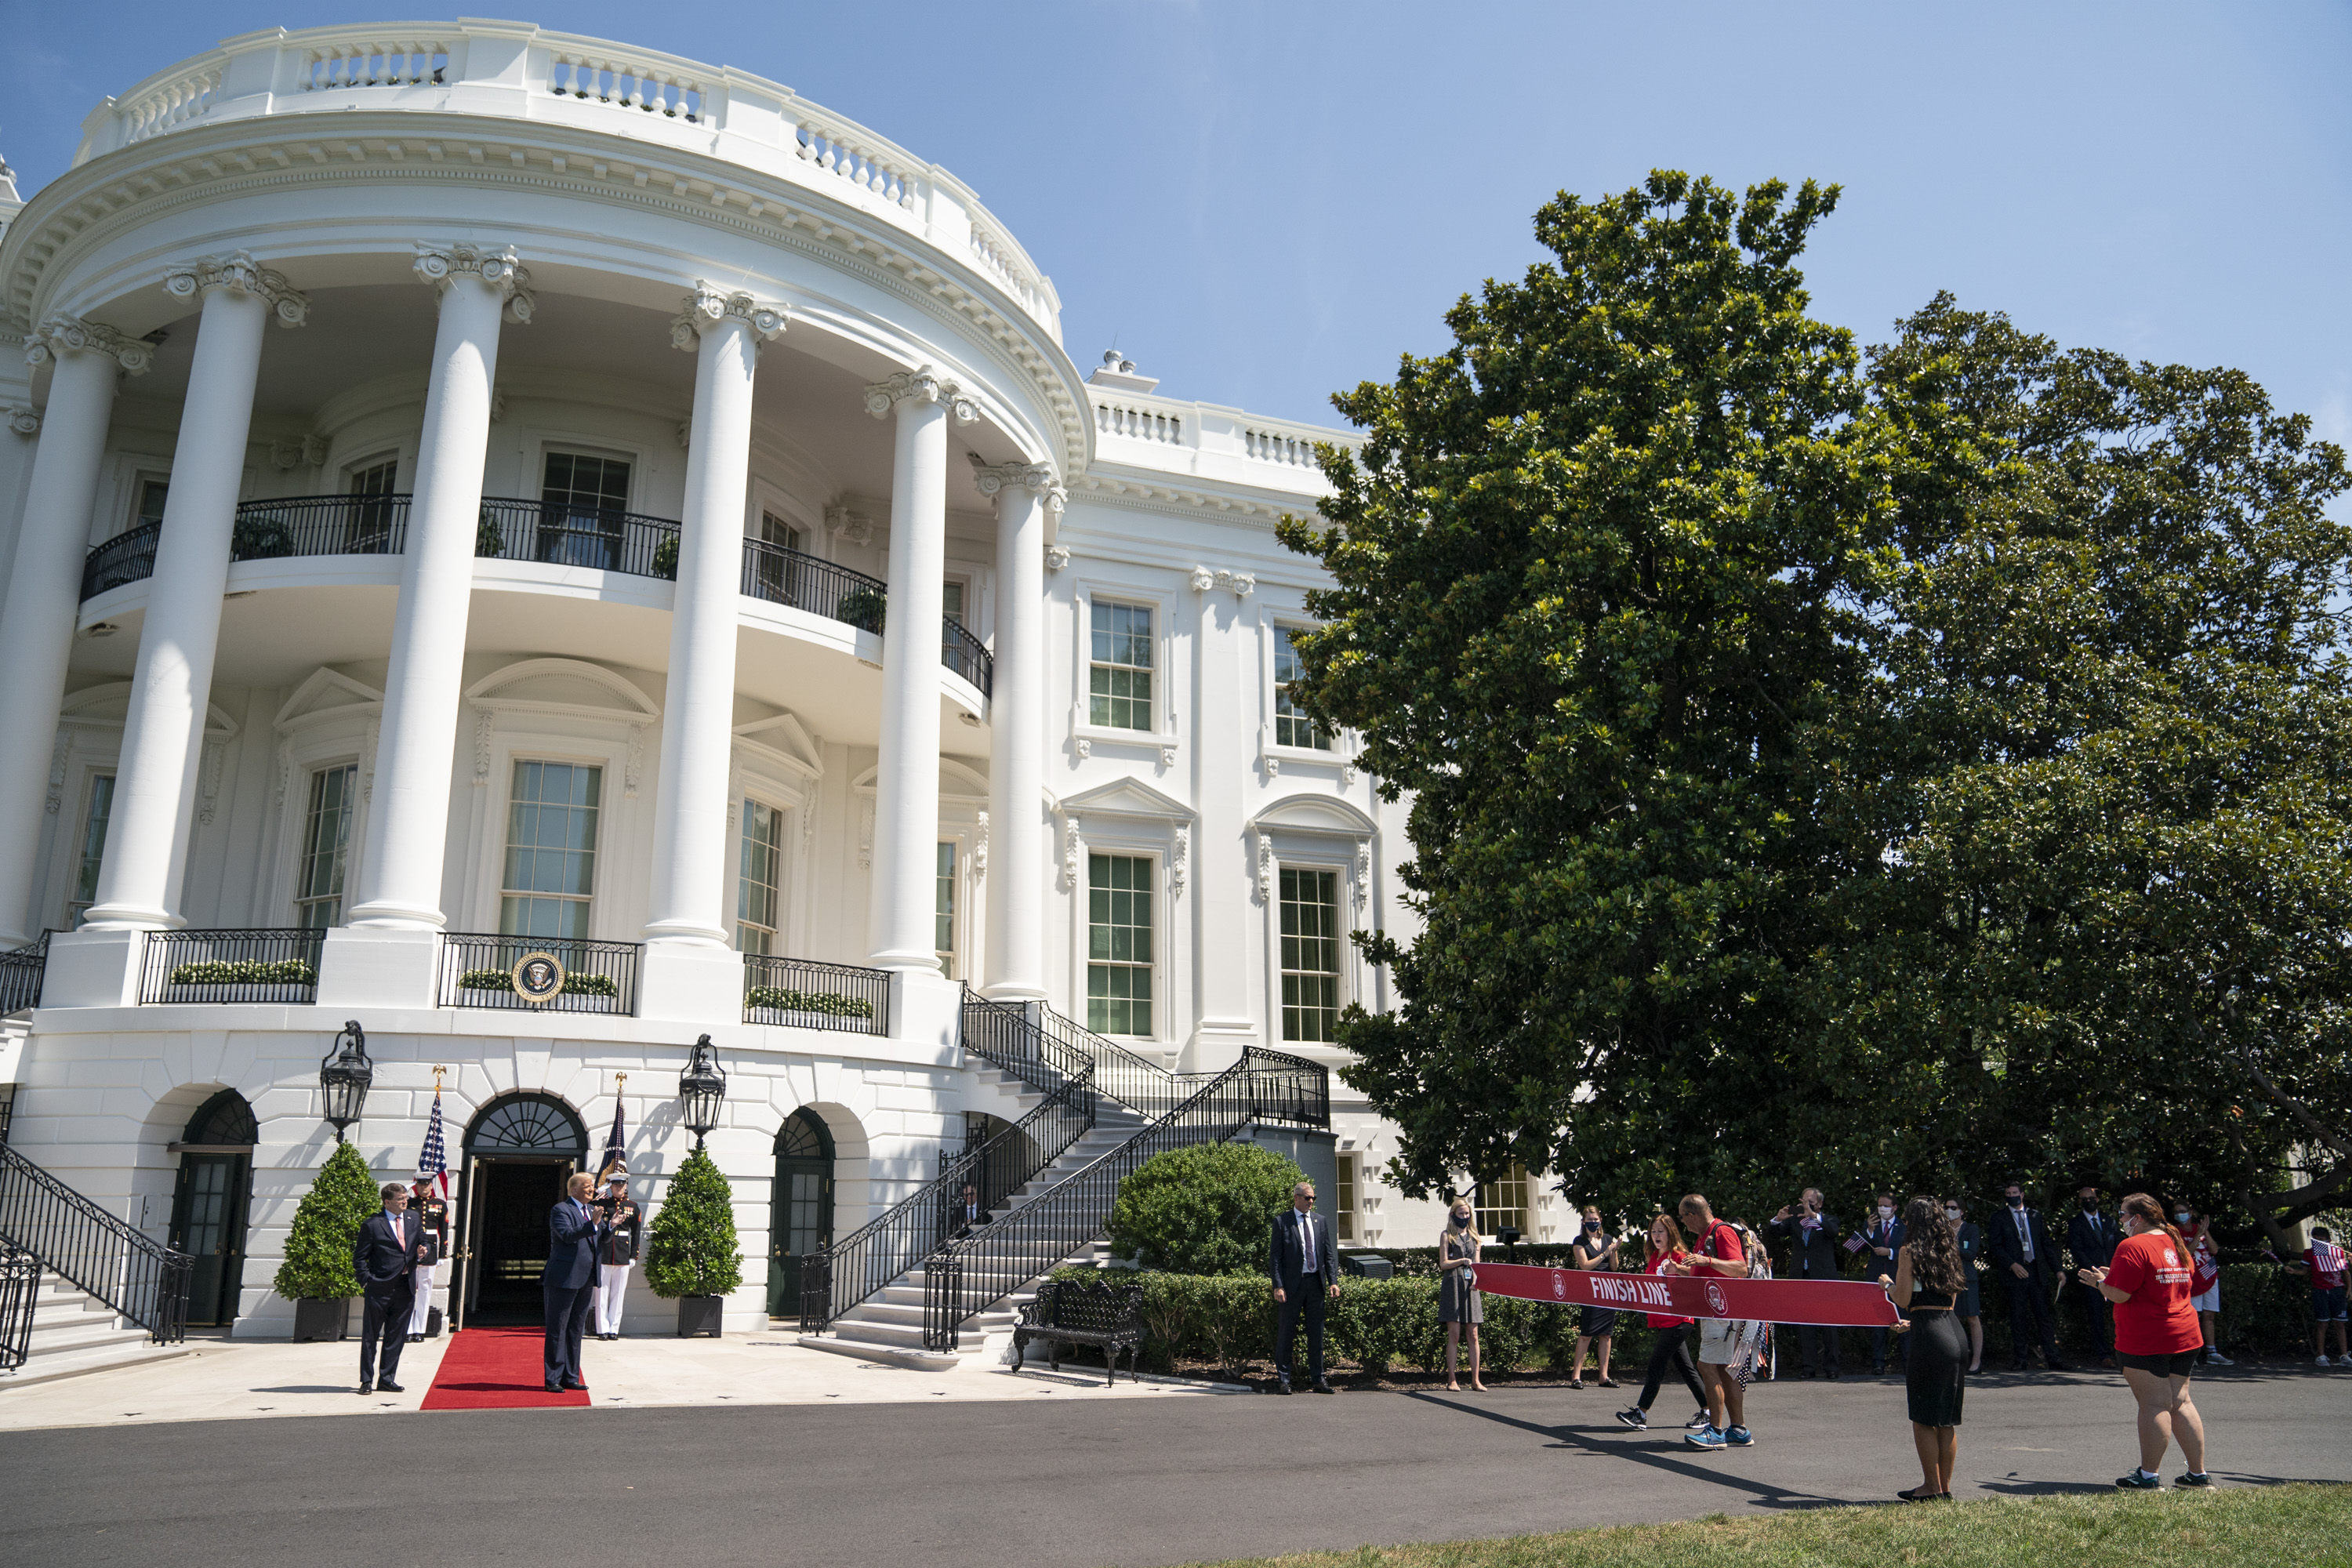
{"x": 496, "y": 1369}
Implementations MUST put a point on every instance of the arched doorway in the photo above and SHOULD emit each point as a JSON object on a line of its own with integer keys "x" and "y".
{"x": 210, "y": 1198}
{"x": 519, "y": 1149}
{"x": 801, "y": 1212}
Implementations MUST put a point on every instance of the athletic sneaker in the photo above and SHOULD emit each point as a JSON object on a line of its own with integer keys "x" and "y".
{"x": 1705, "y": 1438}
{"x": 2194, "y": 1479}
{"x": 2139, "y": 1482}
{"x": 1699, "y": 1422}
{"x": 2322, "y": 1361}
{"x": 1740, "y": 1438}
{"x": 1635, "y": 1417}
{"x": 2218, "y": 1359}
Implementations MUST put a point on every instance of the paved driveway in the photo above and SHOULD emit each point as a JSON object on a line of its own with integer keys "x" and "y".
{"x": 1057, "y": 1481}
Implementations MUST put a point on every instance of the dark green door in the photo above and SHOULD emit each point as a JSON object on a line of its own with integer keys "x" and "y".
{"x": 802, "y": 1215}
{"x": 208, "y": 1224}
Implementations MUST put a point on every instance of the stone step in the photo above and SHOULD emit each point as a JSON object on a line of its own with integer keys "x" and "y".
{"x": 915, "y": 1359}
{"x": 56, "y": 1339}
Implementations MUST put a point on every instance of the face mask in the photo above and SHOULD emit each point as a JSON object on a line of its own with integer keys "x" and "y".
{"x": 1952, "y": 1215}
{"x": 1885, "y": 1212}
{"x": 1593, "y": 1227}
{"x": 2017, "y": 1200}
{"x": 2089, "y": 1206}
{"x": 1462, "y": 1221}
{"x": 2180, "y": 1217}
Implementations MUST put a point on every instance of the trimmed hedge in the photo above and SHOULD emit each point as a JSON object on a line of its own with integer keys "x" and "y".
{"x": 1205, "y": 1210}
{"x": 573, "y": 985}
{"x": 318, "y": 1261}
{"x": 824, "y": 1002}
{"x": 246, "y": 972}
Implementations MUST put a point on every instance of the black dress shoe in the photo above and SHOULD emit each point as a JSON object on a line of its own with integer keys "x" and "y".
{"x": 554, "y": 1388}
{"x": 388, "y": 1387}
{"x": 366, "y": 1389}
{"x": 1283, "y": 1388}
{"x": 574, "y": 1383}
{"x": 1321, "y": 1387}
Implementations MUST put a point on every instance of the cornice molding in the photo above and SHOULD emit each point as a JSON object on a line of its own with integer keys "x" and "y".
{"x": 703, "y": 309}
{"x": 1037, "y": 478}
{"x": 501, "y": 269}
{"x": 237, "y": 272}
{"x": 924, "y": 385}
{"x": 196, "y": 165}
{"x": 61, "y": 335}
{"x": 1188, "y": 501}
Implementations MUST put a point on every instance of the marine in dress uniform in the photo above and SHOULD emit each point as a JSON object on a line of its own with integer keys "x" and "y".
{"x": 616, "y": 1254}
{"x": 432, "y": 1245}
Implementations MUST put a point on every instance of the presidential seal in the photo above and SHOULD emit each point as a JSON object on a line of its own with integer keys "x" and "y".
{"x": 538, "y": 978}
{"x": 1714, "y": 1300}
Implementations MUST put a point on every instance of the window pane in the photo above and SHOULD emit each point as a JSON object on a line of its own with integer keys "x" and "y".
{"x": 326, "y": 846}
{"x": 1310, "y": 955}
{"x": 1292, "y": 727}
{"x": 756, "y": 900}
{"x": 1119, "y": 944}
{"x": 943, "y": 907}
{"x": 551, "y": 849}
{"x": 151, "y": 501}
{"x": 1119, "y": 682}
{"x": 1502, "y": 1202}
{"x": 93, "y": 846}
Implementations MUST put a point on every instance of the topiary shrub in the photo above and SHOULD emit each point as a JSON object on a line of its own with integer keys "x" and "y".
{"x": 1207, "y": 1209}
{"x": 318, "y": 1265}
{"x": 690, "y": 1248}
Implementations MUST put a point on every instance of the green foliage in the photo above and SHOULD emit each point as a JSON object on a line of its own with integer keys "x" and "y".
{"x": 260, "y": 538}
{"x": 830, "y": 1004}
{"x": 665, "y": 557}
{"x": 318, "y": 1265}
{"x": 862, "y": 608}
{"x": 690, "y": 1247}
{"x": 245, "y": 972}
{"x": 573, "y": 985}
{"x": 1208, "y": 1209}
{"x": 489, "y": 539}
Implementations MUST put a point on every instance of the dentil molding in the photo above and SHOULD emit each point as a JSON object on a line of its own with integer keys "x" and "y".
{"x": 707, "y": 306}
{"x": 60, "y": 334}
{"x": 501, "y": 269}
{"x": 237, "y": 272}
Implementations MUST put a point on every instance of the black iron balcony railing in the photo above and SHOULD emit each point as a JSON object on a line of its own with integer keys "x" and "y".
{"x": 966, "y": 655}
{"x": 22, "y": 969}
{"x": 811, "y": 995}
{"x": 264, "y": 966}
{"x": 139, "y": 1276}
{"x": 562, "y": 535}
{"x": 266, "y": 531}
{"x": 786, "y": 576}
{"x": 477, "y": 970}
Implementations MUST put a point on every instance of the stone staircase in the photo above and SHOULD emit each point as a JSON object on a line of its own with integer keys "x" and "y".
{"x": 73, "y": 1334}
{"x": 888, "y": 1328}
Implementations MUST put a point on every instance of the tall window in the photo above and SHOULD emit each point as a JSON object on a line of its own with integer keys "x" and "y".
{"x": 582, "y": 504}
{"x": 150, "y": 498}
{"x": 93, "y": 847}
{"x": 1119, "y": 681}
{"x": 1343, "y": 1202}
{"x": 1502, "y": 1203}
{"x": 756, "y": 904}
{"x": 943, "y": 911}
{"x": 1292, "y": 727}
{"x": 1119, "y": 944}
{"x": 326, "y": 845}
{"x": 371, "y": 517}
{"x": 1310, "y": 955}
{"x": 778, "y": 573}
{"x": 951, "y": 600}
{"x": 551, "y": 871}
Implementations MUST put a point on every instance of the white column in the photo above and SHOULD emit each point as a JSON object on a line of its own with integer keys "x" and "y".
{"x": 907, "y": 777}
{"x": 690, "y": 848}
{"x": 1018, "y": 865}
{"x": 399, "y": 884}
{"x": 36, "y": 622}
{"x": 155, "y": 781}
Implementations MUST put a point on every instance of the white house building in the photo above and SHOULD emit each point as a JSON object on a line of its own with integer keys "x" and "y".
{"x": 475, "y": 492}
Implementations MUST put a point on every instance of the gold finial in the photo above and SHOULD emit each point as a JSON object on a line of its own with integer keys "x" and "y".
{"x": 438, "y": 1070}
{"x": 620, "y": 1082}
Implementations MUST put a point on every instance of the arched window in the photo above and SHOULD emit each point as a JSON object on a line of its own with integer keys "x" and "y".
{"x": 225, "y": 1118}
{"x": 527, "y": 1123}
{"x": 804, "y": 1136}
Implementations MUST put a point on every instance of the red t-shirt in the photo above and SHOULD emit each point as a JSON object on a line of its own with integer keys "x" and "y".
{"x": 2157, "y": 1319}
{"x": 1723, "y": 1241}
{"x": 2324, "y": 1278}
{"x": 1658, "y": 1266}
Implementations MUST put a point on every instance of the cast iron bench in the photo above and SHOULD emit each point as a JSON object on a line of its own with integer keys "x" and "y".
{"x": 1109, "y": 1317}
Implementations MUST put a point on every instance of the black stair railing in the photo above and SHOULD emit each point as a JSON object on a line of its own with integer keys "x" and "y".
{"x": 135, "y": 1275}
{"x": 20, "y": 1286}
{"x": 22, "y": 969}
{"x": 868, "y": 1260}
{"x": 970, "y": 1274}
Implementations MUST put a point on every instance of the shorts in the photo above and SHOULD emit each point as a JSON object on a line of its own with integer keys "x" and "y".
{"x": 2327, "y": 1305}
{"x": 2164, "y": 1363}
{"x": 1721, "y": 1341}
{"x": 2210, "y": 1301}
{"x": 1598, "y": 1321}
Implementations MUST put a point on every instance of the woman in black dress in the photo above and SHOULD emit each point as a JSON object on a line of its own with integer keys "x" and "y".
{"x": 1971, "y": 1309}
{"x": 1598, "y": 1324}
{"x": 1928, "y": 1285}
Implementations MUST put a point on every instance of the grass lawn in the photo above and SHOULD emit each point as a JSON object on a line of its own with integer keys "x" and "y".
{"x": 2300, "y": 1525}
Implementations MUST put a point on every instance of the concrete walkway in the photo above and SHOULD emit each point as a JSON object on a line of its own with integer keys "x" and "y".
{"x": 231, "y": 1380}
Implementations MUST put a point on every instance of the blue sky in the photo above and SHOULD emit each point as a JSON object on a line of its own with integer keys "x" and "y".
{"x": 1265, "y": 201}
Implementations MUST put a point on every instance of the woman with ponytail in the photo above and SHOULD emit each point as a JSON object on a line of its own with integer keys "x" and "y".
{"x": 2157, "y": 1339}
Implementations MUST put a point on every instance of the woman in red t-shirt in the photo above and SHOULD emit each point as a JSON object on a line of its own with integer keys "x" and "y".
{"x": 1670, "y": 1347}
{"x": 2157, "y": 1338}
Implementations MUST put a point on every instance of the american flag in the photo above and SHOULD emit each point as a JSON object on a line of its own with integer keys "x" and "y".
{"x": 2326, "y": 1259}
{"x": 434, "y": 1162}
{"x": 616, "y": 1148}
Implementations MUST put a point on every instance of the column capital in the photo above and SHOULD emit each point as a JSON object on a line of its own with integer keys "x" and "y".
{"x": 501, "y": 269}
{"x": 707, "y": 306}
{"x": 54, "y": 338}
{"x": 922, "y": 386}
{"x": 239, "y": 273}
{"x": 23, "y": 420}
{"x": 1037, "y": 478}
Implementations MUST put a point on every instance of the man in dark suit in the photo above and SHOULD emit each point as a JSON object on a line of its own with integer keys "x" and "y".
{"x": 567, "y": 1284}
{"x": 1812, "y": 1235}
{"x": 1306, "y": 1271}
{"x": 2020, "y": 1252}
{"x": 1881, "y": 1242}
{"x": 383, "y": 1254}
{"x": 969, "y": 1214}
{"x": 2091, "y": 1237}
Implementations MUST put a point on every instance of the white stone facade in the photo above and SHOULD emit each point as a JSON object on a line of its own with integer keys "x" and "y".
{"x": 653, "y": 365}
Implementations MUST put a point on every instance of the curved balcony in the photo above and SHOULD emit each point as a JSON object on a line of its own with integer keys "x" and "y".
{"x": 517, "y": 530}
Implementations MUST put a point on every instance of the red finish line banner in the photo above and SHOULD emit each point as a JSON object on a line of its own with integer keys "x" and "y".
{"x": 1838, "y": 1303}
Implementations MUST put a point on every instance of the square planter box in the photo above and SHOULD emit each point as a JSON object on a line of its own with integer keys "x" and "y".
{"x": 316, "y": 1319}
{"x": 699, "y": 1315}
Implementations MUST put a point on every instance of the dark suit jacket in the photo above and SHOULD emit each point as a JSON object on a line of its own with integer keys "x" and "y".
{"x": 2001, "y": 1242}
{"x": 1812, "y": 1254}
{"x": 571, "y": 1238}
{"x": 1284, "y": 1258}
{"x": 1888, "y": 1233}
{"x": 2092, "y": 1238}
{"x": 381, "y": 1255}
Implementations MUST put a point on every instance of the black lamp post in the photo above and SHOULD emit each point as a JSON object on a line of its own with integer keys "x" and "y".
{"x": 345, "y": 1074}
{"x": 700, "y": 1088}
